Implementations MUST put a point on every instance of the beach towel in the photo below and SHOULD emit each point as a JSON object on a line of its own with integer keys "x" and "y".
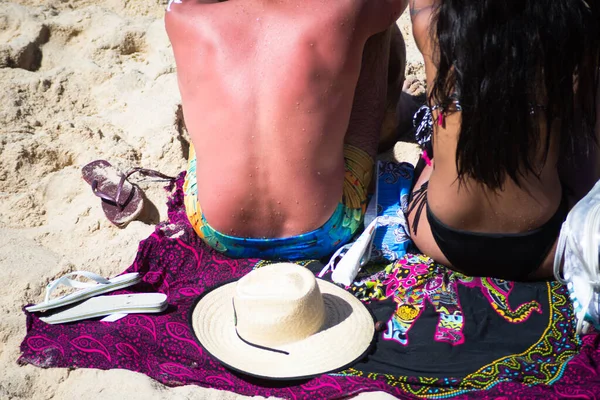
{"x": 394, "y": 181}
{"x": 442, "y": 334}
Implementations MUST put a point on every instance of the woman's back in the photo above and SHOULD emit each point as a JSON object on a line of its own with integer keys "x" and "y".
{"x": 511, "y": 89}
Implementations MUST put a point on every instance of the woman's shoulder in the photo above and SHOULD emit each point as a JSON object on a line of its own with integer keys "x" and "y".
{"x": 421, "y": 13}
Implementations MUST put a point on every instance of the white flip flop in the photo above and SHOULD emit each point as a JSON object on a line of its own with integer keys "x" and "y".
{"x": 99, "y": 285}
{"x": 122, "y": 304}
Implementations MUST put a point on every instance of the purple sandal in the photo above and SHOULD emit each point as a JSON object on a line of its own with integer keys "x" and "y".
{"x": 122, "y": 201}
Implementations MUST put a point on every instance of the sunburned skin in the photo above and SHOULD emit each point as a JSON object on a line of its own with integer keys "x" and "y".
{"x": 172, "y": 2}
{"x": 267, "y": 90}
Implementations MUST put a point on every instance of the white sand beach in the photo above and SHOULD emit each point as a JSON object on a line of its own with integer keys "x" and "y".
{"x": 84, "y": 80}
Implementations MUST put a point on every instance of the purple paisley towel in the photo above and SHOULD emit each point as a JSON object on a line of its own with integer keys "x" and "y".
{"x": 175, "y": 262}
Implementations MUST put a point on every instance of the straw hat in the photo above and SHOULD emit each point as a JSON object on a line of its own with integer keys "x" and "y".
{"x": 279, "y": 322}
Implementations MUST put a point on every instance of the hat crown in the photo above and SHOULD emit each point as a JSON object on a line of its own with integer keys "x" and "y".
{"x": 278, "y": 304}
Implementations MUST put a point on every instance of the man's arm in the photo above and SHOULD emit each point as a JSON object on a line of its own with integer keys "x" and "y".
{"x": 381, "y": 14}
{"x": 368, "y": 108}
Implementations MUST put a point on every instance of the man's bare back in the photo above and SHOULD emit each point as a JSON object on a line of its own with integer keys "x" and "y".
{"x": 267, "y": 90}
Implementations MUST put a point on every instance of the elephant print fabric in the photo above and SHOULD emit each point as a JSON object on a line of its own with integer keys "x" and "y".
{"x": 415, "y": 281}
{"x": 465, "y": 323}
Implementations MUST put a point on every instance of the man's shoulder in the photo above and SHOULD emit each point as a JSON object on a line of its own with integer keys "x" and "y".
{"x": 193, "y": 11}
{"x": 180, "y": 12}
{"x": 203, "y": 21}
{"x": 187, "y": 9}
{"x": 235, "y": 21}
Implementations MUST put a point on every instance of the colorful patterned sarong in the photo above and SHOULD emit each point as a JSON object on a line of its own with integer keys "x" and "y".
{"x": 337, "y": 231}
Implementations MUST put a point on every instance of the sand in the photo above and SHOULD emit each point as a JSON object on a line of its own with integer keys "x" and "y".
{"x": 84, "y": 80}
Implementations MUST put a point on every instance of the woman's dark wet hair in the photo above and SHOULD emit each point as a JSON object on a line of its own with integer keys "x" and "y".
{"x": 512, "y": 63}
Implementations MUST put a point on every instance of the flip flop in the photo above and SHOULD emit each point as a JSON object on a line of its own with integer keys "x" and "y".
{"x": 88, "y": 289}
{"x": 122, "y": 201}
{"x": 139, "y": 303}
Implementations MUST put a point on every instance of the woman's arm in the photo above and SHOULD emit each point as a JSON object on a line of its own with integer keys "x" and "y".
{"x": 416, "y": 6}
{"x": 580, "y": 173}
{"x": 598, "y": 121}
{"x": 421, "y": 12}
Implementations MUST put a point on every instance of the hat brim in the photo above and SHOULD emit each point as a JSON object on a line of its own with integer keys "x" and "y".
{"x": 345, "y": 337}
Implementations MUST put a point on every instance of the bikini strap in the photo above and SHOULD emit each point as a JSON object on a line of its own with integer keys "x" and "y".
{"x": 418, "y": 201}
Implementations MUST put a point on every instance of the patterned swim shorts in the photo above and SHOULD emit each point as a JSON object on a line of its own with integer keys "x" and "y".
{"x": 337, "y": 231}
